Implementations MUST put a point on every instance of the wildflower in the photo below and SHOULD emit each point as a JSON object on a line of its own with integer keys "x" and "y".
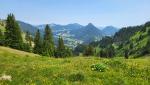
{"x": 5, "y": 77}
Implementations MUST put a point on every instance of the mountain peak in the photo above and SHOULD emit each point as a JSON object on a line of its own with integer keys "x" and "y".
{"x": 90, "y": 24}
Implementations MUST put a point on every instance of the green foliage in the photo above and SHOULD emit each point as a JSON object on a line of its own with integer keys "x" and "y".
{"x": 62, "y": 51}
{"x": 103, "y": 43}
{"x": 145, "y": 50}
{"x": 126, "y": 54}
{"x": 28, "y": 38}
{"x": 89, "y": 51}
{"x": 77, "y": 77}
{"x": 108, "y": 52}
{"x": 48, "y": 43}
{"x": 124, "y": 34}
{"x": 111, "y": 51}
{"x": 1, "y": 38}
{"x": 61, "y": 45}
{"x": 128, "y": 41}
{"x": 13, "y": 36}
{"x": 148, "y": 32}
{"x": 26, "y": 47}
{"x": 79, "y": 49}
{"x": 103, "y": 53}
{"x": 28, "y": 44}
{"x": 99, "y": 67}
{"x": 37, "y": 43}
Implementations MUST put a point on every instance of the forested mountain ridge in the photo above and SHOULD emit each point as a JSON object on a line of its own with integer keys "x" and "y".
{"x": 139, "y": 43}
{"x": 131, "y": 41}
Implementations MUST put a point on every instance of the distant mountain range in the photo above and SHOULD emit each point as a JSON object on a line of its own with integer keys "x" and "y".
{"x": 88, "y": 33}
{"x": 73, "y": 34}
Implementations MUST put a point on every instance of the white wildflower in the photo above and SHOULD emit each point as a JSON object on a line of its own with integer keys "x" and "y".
{"x": 5, "y": 77}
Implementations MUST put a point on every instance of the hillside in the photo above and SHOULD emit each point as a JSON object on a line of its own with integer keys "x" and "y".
{"x": 134, "y": 41}
{"x": 139, "y": 43}
{"x": 27, "y": 68}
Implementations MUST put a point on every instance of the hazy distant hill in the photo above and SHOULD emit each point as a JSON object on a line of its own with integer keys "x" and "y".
{"x": 27, "y": 27}
{"x": 57, "y": 27}
{"x": 109, "y": 30}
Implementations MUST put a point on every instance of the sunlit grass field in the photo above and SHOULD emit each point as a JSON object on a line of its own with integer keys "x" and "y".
{"x": 31, "y": 69}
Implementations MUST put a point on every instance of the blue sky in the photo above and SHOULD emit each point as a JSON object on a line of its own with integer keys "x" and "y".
{"x": 118, "y": 13}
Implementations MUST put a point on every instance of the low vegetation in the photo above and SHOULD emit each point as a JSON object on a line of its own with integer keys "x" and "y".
{"x": 31, "y": 69}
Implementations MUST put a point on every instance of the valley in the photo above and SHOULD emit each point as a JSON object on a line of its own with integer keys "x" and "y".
{"x": 74, "y": 42}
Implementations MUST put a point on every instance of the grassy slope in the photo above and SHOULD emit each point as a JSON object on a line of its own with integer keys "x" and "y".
{"x": 31, "y": 69}
{"x": 137, "y": 44}
{"x": 2, "y": 28}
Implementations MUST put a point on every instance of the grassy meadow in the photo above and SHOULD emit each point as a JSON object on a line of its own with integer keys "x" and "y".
{"x": 31, "y": 69}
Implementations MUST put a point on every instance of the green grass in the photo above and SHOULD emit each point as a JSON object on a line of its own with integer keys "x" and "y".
{"x": 31, "y": 69}
{"x": 2, "y": 28}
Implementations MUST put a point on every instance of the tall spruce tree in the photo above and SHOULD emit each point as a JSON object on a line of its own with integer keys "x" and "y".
{"x": 61, "y": 45}
{"x": 48, "y": 43}
{"x": 60, "y": 48}
{"x": 37, "y": 43}
{"x": 13, "y": 36}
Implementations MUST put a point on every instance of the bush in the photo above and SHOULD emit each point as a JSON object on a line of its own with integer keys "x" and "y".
{"x": 76, "y": 77}
{"x": 98, "y": 67}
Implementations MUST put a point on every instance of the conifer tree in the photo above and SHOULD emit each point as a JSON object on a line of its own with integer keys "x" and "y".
{"x": 1, "y": 38}
{"x": 60, "y": 48}
{"x": 89, "y": 51}
{"x": 28, "y": 38}
{"x": 1, "y": 34}
{"x": 111, "y": 51}
{"x": 61, "y": 45}
{"x": 27, "y": 44}
{"x": 13, "y": 36}
{"x": 48, "y": 43}
{"x": 37, "y": 43}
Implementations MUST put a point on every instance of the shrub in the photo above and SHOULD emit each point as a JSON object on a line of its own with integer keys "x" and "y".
{"x": 76, "y": 77}
{"x": 98, "y": 67}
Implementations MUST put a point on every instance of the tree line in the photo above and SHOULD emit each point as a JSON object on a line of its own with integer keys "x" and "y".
{"x": 43, "y": 45}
